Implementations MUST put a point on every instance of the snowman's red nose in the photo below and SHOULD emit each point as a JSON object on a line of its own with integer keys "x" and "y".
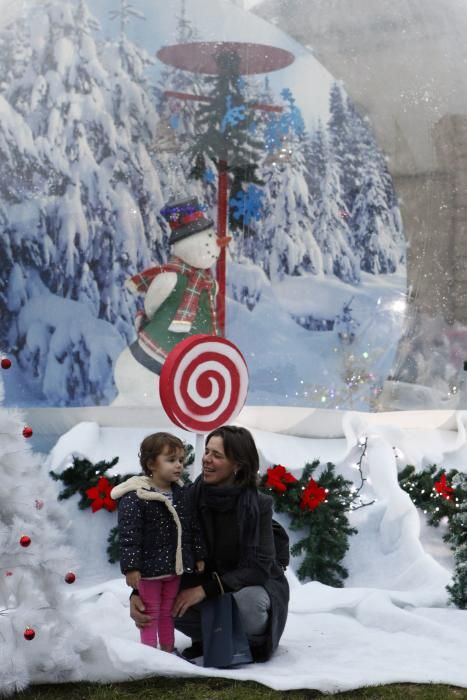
{"x": 224, "y": 241}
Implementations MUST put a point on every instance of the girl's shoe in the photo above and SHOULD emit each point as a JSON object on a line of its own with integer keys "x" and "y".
{"x": 193, "y": 652}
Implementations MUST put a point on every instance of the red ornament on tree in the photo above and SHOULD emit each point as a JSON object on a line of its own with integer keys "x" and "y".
{"x": 6, "y": 363}
{"x": 25, "y": 541}
{"x": 443, "y": 489}
{"x": 29, "y": 633}
{"x": 100, "y": 496}
{"x": 278, "y": 478}
{"x": 70, "y": 577}
{"x": 313, "y": 495}
{"x": 27, "y": 431}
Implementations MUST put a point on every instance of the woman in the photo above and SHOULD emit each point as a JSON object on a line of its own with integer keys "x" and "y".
{"x": 237, "y": 524}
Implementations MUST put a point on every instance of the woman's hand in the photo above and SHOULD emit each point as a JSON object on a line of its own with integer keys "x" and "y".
{"x": 199, "y": 566}
{"x": 185, "y": 599}
{"x": 137, "y": 612}
{"x": 133, "y": 578}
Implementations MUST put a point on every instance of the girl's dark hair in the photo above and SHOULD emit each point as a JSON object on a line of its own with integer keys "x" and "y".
{"x": 239, "y": 448}
{"x": 153, "y": 445}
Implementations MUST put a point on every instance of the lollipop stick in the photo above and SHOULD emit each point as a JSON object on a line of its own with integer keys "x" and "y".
{"x": 199, "y": 449}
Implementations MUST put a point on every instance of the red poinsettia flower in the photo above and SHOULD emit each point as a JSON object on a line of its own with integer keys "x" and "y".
{"x": 313, "y": 495}
{"x": 443, "y": 489}
{"x": 100, "y": 496}
{"x": 278, "y": 478}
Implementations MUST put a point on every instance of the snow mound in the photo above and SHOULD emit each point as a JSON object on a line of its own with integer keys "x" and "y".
{"x": 391, "y": 623}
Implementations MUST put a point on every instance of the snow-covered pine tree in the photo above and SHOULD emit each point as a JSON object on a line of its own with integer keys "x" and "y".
{"x": 176, "y": 127}
{"x": 331, "y": 229}
{"x": 377, "y": 238}
{"x": 344, "y": 145}
{"x": 179, "y": 114}
{"x": 42, "y": 638}
{"x": 134, "y": 115}
{"x": 92, "y": 122}
{"x": 91, "y": 114}
{"x": 15, "y": 50}
{"x": 283, "y": 242}
{"x": 25, "y": 181}
{"x": 375, "y": 217}
{"x": 367, "y": 189}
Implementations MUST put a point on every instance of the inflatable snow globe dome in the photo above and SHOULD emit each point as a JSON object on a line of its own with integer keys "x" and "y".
{"x": 402, "y": 64}
{"x": 331, "y": 140}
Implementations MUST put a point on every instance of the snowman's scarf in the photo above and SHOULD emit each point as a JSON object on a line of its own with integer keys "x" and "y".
{"x": 198, "y": 280}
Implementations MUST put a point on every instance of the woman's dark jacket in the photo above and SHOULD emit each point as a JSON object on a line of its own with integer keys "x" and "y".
{"x": 221, "y": 535}
{"x": 151, "y": 532}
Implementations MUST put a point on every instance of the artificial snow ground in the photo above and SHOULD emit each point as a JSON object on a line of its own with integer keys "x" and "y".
{"x": 391, "y": 623}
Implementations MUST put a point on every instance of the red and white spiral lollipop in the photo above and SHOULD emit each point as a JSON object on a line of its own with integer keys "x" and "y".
{"x": 203, "y": 383}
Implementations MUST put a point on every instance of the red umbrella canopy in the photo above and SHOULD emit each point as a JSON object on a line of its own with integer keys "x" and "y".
{"x": 202, "y": 56}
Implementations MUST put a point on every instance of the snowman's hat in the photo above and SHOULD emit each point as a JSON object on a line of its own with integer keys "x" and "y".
{"x": 185, "y": 217}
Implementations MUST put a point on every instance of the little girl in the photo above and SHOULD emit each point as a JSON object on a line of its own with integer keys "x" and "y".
{"x": 158, "y": 537}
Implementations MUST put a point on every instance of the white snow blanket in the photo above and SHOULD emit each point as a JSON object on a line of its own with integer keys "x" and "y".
{"x": 391, "y": 623}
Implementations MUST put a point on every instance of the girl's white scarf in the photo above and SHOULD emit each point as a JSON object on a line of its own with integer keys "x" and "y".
{"x": 142, "y": 486}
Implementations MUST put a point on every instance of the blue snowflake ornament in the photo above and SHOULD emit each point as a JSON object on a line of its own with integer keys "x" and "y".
{"x": 209, "y": 176}
{"x": 287, "y": 96}
{"x": 233, "y": 115}
{"x": 247, "y": 205}
{"x": 174, "y": 121}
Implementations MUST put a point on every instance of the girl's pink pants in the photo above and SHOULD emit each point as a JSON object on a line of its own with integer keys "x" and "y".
{"x": 158, "y": 596}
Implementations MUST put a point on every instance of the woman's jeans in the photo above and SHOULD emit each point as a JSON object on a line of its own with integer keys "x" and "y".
{"x": 253, "y": 603}
{"x": 158, "y": 596}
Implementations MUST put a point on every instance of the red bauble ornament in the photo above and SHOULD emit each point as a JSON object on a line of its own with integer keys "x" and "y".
{"x": 27, "y": 431}
{"x": 5, "y": 363}
{"x": 29, "y": 633}
{"x": 25, "y": 541}
{"x": 70, "y": 577}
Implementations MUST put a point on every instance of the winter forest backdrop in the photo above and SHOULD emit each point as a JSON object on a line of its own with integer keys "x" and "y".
{"x": 92, "y": 149}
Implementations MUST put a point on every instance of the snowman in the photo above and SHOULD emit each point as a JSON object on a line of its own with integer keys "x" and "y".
{"x": 179, "y": 300}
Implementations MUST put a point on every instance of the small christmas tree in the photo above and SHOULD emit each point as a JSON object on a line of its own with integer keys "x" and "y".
{"x": 224, "y": 129}
{"x": 40, "y": 637}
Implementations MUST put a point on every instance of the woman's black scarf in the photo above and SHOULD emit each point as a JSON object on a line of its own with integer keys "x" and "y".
{"x": 245, "y": 501}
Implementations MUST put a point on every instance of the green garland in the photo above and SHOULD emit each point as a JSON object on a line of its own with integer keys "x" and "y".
{"x": 319, "y": 508}
{"x": 440, "y": 494}
{"x": 82, "y": 475}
